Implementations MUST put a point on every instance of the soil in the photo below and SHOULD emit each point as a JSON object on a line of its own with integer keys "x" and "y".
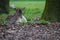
{"x": 30, "y": 32}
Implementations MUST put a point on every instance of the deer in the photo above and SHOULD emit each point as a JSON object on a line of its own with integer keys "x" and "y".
{"x": 17, "y": 17}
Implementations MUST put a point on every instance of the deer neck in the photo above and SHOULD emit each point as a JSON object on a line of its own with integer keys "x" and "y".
{"x": 18, "y": 15}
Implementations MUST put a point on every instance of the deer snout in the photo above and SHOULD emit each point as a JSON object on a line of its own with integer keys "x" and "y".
{"x": 21, "y": 20}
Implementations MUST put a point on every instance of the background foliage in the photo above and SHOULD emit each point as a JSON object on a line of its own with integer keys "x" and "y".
{"x": 33, "y": 9}
{"x": 27, "y": 0}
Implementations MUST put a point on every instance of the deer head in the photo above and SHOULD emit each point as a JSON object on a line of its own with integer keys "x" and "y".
{"x": 18, "y": 10}
{"x": 16, "y": 16}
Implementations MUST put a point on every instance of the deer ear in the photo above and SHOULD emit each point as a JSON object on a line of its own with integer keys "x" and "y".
{"x": 12, "y": 6}
{"x": 23, "y": 8}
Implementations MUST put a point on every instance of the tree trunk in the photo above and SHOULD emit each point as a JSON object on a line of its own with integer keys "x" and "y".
{"x": 52, "y": 11}
{"x": 4, "y": 6}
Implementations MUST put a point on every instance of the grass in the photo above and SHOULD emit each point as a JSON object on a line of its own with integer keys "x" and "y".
{"x": 33, "y": 8}
{"x": 3, "y": 18}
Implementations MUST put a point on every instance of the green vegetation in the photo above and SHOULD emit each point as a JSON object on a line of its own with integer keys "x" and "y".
{"x": 33, "y": 9}
{"x": 3, "y": 18}
{"x": 27, "y": 0}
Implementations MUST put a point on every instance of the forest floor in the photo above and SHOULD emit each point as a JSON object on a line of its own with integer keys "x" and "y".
{"x": 30, "y": 32}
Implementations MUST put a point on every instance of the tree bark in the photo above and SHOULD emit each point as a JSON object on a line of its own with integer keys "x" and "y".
{"x": 4, "y": 6}
{"x": 52, "y": 11}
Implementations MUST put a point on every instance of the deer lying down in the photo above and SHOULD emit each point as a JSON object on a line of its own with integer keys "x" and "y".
{"x": 16, "y": 18}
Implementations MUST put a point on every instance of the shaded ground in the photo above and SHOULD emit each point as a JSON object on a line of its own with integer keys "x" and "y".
{"x": 30, "y": 32}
